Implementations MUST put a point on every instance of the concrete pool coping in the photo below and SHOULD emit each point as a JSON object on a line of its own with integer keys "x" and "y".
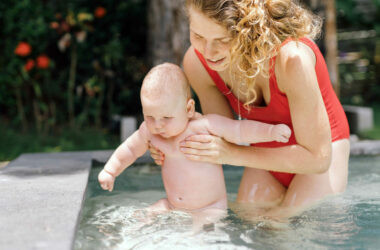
{"x": 42, "y": 196}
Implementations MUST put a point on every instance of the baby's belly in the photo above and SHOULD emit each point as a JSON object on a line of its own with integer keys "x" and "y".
{"x": 193, "y": 185}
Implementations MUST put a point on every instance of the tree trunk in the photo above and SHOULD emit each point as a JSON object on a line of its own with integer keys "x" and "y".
{"x": 71, "y": 85}
{"x": 20, "y": 109}
{"x": 168, "y": 33}
{"x": 329, "y": 46}
{"x": 331, "y": 43}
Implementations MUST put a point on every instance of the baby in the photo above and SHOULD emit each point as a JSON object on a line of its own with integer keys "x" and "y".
{"x": 169, "y": 117}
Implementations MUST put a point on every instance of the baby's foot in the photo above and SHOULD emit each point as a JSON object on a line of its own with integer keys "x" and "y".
{"x": 281, "y": 133}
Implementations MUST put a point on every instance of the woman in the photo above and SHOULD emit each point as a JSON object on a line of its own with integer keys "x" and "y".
{"x": 257, "y": 57}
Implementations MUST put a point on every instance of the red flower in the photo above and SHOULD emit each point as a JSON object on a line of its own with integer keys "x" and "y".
{"x": 54, "y": 25}
{"x": 65, "y": 26}
{"x": 23, "y": 49}
{"x": 100, "y": 12}
{"x": 43, "y": 62}
{"x": 29, "y": 65}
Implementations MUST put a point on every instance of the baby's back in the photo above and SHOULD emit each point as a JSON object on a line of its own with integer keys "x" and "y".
{"x": 189, "y": 184}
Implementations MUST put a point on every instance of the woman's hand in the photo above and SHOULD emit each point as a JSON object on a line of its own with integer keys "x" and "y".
{"x": 157, "y": 155}
{"x": 207, "y": 148}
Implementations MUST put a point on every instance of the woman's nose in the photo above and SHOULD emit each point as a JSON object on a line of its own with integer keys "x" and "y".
{"x": 209, "y": 50}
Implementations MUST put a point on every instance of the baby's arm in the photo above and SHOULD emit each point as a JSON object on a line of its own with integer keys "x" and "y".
{"x": 246, "y": 131}
{"x": 127, "y": 153}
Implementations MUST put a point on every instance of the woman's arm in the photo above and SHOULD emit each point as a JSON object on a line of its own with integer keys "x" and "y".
{"x": 295, "y": 72}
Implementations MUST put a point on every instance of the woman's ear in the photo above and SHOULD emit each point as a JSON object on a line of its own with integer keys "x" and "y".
{"x": 190, "y": 108}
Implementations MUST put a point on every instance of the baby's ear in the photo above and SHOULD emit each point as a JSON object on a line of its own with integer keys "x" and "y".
{"x": 190, "y": 108}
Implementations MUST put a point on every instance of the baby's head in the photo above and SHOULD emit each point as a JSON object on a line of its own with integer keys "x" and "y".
{"x": 166, "y": 100}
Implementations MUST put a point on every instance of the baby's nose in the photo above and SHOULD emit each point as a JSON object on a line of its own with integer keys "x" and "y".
{"x": 158, "y": 124}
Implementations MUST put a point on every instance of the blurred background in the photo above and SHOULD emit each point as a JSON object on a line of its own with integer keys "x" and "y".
{"x": 70, "y": 70}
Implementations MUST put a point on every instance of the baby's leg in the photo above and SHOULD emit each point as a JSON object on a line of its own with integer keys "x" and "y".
{"x": 161, "y": 206}
{"x": 206, "y": 219}
{"x": 148, "y": 214}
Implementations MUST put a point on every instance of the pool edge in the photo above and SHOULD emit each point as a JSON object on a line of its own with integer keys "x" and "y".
{"x": 42, "y": 198}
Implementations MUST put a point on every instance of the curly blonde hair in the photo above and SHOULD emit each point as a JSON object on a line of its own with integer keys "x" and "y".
{"x": 258, "y": 28}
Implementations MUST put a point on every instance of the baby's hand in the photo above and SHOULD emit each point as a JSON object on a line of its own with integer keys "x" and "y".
{"x": 106, "y": 180}
{"x": 281, "y": 133}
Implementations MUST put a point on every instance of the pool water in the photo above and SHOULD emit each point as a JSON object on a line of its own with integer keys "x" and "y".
{"x": 116, "y": 220}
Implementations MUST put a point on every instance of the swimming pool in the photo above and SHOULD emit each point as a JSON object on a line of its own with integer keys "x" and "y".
{"x": 113, "y": 221}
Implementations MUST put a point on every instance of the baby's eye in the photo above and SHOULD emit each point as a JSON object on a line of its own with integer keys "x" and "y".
{"x": 167, "y": 117}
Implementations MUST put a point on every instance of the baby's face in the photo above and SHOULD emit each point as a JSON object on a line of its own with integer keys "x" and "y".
{"x": 165, "y": 116}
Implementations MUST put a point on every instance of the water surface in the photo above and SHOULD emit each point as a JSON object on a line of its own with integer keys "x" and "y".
{"x": 116, "y": 220}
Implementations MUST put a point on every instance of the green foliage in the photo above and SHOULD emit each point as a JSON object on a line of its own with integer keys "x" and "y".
{"x": 359, "y": 51}
{"x": 356, "y": 14}
{"x": 95, "y": 52}
{"x": 66, "y": 140}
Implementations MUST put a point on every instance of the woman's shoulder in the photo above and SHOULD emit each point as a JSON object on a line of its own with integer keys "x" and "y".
{"x": 293, "y": 58}
{"x": 295, "y": 52}
{"x": 194, "y": 69}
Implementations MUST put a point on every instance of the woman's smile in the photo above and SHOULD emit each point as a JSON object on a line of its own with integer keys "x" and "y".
{"x": 215, "y": 62}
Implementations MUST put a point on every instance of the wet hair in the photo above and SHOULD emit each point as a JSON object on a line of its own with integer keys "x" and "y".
{"x": 163, "y": 80}
{"x": 258, "y": 27}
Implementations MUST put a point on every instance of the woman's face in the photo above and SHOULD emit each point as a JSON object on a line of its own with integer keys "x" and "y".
{"x": 210, "y": 39}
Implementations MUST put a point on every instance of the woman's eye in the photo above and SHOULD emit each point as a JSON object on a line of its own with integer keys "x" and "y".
{"x": 197, "y": 36}
{"x": 225, "y": 41}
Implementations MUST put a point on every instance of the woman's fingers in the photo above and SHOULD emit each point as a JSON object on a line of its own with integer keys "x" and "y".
{"x": 204, "y": 158}
{"x": 200, "y": 138}
{"x": 193, "y": 151}
{"x": 206, "y": 148}
{"x": 198, "y": 142}
{"x": 199, "y": 145}
{"x": 158, "y": 158}
{"x": 156, "y": 154}
{"x": 193, "y": 144}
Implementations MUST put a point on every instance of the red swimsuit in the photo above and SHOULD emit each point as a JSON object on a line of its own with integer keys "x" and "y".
{"x": 277, "y": 111}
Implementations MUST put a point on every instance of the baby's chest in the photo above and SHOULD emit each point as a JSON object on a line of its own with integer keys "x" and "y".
{"x": 167, "y": 146}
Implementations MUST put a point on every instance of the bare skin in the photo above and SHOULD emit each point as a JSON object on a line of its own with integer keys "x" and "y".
{"x": 320, "y": 165}
{"x": 189, "y": 185}
{"x": 167, "y": 122}
{"x": 169, "y": 117}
